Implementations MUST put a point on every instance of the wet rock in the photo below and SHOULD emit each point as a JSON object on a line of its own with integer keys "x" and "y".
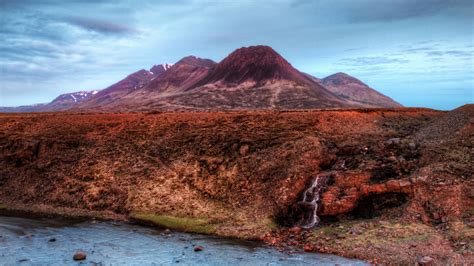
{"x": 426, "y": 260}
{"x": 52, "y": 240}
{"x": 79, "y": 255}
{"x": 167, "y": 231}
{"x": 308, "y": 247}
{"x": 198, "y": 248}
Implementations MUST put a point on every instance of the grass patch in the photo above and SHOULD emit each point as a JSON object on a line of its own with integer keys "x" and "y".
{"x": 2, "y": 206}
{"x": 270, "y": 223}
{"x": 185, "y": 224}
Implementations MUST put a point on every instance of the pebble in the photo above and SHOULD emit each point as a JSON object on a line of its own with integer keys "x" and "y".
{"x": 308, "y": 248}
{"x": 295, "y": 229}
{"x": 79, "y": 255}
{"x": 198, "y": 248}
{"x": 426, "y": 260}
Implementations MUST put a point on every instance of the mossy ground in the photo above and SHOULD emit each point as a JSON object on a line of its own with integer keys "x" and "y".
{"x": 185, "y": 224}
{"x": 381, "y": 241}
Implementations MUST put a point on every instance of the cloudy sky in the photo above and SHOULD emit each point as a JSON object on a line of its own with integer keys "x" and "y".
{"x": 419, "y": 52}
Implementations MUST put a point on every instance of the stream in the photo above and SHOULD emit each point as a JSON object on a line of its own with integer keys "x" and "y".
{"x": 54, "y": 242}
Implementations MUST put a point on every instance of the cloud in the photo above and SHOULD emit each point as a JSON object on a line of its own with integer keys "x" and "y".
{"x": 100, "y": 26}
{"x": 372, "y": 60}
{"x": 388, "y": 11}
{"x": 455, "y": 53}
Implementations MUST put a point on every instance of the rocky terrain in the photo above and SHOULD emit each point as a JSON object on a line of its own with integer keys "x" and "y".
{"x": 398, "y": 182}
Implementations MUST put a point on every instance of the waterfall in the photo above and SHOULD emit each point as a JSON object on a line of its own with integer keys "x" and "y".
{"x": 310, "y": 202}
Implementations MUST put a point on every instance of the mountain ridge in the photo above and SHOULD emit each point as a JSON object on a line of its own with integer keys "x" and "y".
{"x": 254, "y": 77}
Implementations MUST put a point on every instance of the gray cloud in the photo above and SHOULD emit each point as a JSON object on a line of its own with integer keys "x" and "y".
{"x": 101, "y": 26}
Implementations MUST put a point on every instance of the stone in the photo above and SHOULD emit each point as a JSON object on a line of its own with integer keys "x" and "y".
{"x": 393, "y": 185}
{"x": 79, "y": 255}
{"x": 392, "y": 158}
{"x": 244, "y": 149}
{"x": 52, "y": 240}
{"x": 295, "y": 229}
{"x": 198, "y": 248}
{"x": 395, "y": 141}
{"x": 308, "y": 248}
{"x": 426, "y": 260}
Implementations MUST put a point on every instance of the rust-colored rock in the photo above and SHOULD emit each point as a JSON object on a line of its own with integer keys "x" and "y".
{"x": 79, "y": 255}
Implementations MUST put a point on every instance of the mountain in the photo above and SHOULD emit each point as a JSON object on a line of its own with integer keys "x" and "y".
{"x": 60, "y": 103}
{"x": 252, "y": 77}
{"x": 355, "y": 90}
{"x": 259, "y": 64}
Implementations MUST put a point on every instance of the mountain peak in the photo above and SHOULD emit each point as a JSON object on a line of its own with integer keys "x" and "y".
{"x": 160, "y": 69}
{"x": 341, "y": 78}
{"x": 254, "y": 63}
{"x": 196, "y": 61}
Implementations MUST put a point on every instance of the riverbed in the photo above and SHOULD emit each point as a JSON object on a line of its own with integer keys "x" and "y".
{"x": 54, "y": 242}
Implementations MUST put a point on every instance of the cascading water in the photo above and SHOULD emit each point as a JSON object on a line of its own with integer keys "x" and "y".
{"x": 310, "y": 201}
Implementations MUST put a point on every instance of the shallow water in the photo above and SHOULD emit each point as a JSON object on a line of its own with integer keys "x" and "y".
{"x": 26, "y": 242}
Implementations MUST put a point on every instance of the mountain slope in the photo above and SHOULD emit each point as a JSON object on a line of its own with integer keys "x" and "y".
{"x": 118, "y": 90}
{"x": 353, "y": 89}
{"x": 174, "y": 81}
{"x": 182, "y": 75}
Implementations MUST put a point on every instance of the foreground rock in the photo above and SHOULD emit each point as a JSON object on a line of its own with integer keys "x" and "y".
{"x": 198, "y": 248}
{"x": 79, "y": 255}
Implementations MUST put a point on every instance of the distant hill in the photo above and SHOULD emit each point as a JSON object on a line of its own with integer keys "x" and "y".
{"x": 353, "y": 89}
{"x": 62, "y": 102}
